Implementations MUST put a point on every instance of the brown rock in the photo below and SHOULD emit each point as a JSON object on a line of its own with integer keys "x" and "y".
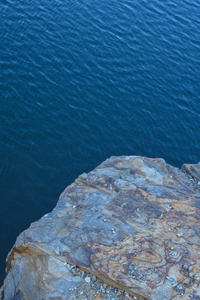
{"x": 133, "y": 222}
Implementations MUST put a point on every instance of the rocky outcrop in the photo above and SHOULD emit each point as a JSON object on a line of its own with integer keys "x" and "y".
{"x": 129, "y": 229}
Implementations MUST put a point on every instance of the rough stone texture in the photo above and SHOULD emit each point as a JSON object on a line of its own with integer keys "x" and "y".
{"x": 133, "y": 222}
{"x": 193, "y": 170}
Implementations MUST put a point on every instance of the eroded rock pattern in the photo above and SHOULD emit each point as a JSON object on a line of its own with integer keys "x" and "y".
{"x": 132, "y": 222}
{"x": 193, "y": 170}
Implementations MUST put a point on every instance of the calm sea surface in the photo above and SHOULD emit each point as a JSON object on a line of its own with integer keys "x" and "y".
{"x": 83, "y": 80}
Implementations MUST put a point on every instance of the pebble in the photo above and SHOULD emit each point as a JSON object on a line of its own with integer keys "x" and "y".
{"x": 192, "y": 234}
{"x": 94, "y": 278}
{"x": 119, "y": 292}
{"x": 191, "y": 274}
{"x": 186, "y": 266}
{"x": 87, "y": 279}
{"x": 103, "y": 290}
{"x": 82, "y": 273}
{"x": 179, "y": 234}
{"x": 57, "y": 251}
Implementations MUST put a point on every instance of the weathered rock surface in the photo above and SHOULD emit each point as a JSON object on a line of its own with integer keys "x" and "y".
{"x": 193, "y": 170}
{"x": 133, "y": 222}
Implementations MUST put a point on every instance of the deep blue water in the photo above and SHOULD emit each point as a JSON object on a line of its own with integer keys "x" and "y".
{"x": 83, "y": 80}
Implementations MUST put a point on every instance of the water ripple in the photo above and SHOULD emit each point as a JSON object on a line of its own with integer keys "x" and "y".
{"x": 83, "y": 80}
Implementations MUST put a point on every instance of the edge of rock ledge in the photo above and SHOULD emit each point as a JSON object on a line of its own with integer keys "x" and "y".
{"x": 106, "y": 182}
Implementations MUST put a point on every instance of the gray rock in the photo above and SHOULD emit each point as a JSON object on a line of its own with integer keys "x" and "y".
{"x": 113, "y": 223}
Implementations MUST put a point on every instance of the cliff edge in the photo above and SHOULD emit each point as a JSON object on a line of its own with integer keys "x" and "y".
{"x": 129, "y": 229}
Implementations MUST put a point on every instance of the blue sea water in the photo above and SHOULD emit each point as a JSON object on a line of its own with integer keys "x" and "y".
{"x": 83, "y": 80}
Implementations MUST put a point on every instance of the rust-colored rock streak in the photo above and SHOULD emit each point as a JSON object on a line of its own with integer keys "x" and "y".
{"x": 132, "y": 221}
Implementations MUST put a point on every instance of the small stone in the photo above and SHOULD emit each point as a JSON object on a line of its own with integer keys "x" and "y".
{"x": 82, "y": 273}
{"x": 57, "y": 250}
{"x": 186, "y": 267}
{"x": 191, "y": 274}
{"x": 87, "y": 279}
{"x": 94, "y": 278}
{"x": 73, "y": 270}
{"x": 105, "y": 285}
{"x": 189, "y": 243}
{"x": 179, "y": 234}
{"x": 118, "y": 293}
